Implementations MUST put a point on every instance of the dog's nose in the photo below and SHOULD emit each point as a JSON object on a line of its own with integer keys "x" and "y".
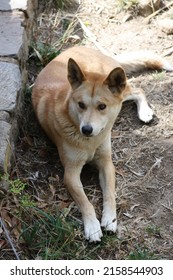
{"x": 87, "y": 130}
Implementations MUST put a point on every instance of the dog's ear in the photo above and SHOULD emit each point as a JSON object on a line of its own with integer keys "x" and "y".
{"x": 75, "y": 75}
{"x": 116, "y": 80}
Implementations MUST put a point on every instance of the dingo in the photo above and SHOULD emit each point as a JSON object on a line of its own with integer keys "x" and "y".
{"x": 77, "y": 98}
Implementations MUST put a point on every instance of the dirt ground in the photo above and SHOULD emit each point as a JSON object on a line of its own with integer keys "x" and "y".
{"x": 142, "y": 153}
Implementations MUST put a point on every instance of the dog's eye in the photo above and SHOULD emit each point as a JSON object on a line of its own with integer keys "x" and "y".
{"x": 101, "y": 106}
{"x": 82, "y": 105}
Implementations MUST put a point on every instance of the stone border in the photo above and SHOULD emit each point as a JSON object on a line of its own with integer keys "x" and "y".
{"x": 16, "y": 21}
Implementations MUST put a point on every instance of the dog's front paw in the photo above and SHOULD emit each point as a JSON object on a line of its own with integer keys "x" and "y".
{"x": 109, "y": 222}
{"x": 93, "y": 232}
{"x": 145, "y": 114}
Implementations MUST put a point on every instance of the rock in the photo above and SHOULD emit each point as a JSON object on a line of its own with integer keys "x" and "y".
{"x": 16, "y": 33}
{"x": 11, "y": 33}
{"x": 7, "y": 5}
{"x": 145, "y": 8}
{"x": 5, "y": 150}
{"x": 11, "y": 40}
{"x": 10, "y": 84}
{"x": 4, "y": 116}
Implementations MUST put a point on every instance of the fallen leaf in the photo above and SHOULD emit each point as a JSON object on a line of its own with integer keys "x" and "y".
{"x": 6, "y": 217}
{"x": 63, "y": 205}
{"x": 2, "y": 243}
{"x": 63, "y": 196}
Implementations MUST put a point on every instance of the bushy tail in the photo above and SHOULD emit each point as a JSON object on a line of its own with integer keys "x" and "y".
{"x": 142, "y": 60}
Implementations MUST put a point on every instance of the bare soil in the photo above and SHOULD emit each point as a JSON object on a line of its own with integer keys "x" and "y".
{"x": 142, "y": 154}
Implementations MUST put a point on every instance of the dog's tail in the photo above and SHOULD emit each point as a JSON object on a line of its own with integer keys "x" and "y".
{"x": 142, "y": 60}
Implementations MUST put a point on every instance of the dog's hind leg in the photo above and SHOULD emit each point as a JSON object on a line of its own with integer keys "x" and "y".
{"x": 145, "y": 113}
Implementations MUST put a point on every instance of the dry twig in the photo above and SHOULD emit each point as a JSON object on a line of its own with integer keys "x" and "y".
{"x": 168, "y": 52}
{"x": 92, "y": 37}
{"x": 147, "y": 19}
{"x": 167, "y": 207}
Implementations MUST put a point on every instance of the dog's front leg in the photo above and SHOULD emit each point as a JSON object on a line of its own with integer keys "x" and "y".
{"x": 107, "y": 182}
{"x": 72, "y": 180}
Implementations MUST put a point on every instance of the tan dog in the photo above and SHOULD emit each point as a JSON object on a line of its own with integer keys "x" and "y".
{"x": 77, "y": 98}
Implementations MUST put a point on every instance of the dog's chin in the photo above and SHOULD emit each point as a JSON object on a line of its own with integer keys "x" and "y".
{"x": 87, "y": 136}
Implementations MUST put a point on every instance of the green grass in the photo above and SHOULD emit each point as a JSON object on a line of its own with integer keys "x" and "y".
{"x": 57, "y": 4}
{"x": 43, "y": 52}
{"x": 45, "y": 48}
{"x": 159, "y": 76}
{"x": 153, "y": 230}
{"x": 142, "y": 254}
{"x": 49, "y": 235}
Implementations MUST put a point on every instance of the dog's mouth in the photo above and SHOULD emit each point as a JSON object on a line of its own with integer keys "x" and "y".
{"x": 90, "y": 135}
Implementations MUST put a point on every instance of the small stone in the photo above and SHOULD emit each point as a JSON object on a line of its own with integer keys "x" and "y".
{"x": 127, "y": 17}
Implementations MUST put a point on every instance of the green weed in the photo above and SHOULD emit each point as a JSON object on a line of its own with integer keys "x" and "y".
{"x": 43, "y": 52}
{"x": 16, "y": 186}
{"x": 153, "y": 230}
{"x": 26, "y": 201}
{"x": 142, "y": 254}
{"x": 18, "y": 189}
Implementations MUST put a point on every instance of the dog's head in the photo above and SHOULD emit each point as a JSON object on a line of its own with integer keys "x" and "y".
{"x": 96, "y": 99}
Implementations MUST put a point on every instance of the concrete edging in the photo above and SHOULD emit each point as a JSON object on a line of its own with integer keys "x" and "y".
{"x": 16, "y": 21}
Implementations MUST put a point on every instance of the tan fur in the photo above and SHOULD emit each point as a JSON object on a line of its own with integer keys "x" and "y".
{"x": 77, "y": 98}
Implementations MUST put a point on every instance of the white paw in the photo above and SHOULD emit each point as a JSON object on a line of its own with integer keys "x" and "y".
{"x": 145, "y": 113}
{"x": 92, "y": 230}
{"x": 109, "y": 222}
